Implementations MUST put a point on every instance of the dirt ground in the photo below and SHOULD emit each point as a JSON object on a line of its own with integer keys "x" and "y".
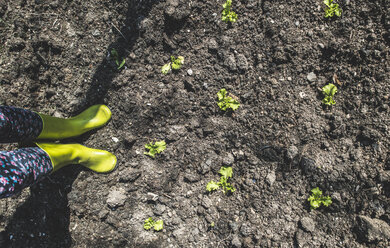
{"x": 281, "y": 142}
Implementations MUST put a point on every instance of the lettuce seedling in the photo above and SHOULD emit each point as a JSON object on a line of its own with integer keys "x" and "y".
{"x": 226, "y": 173}
{"x": 166, "y": 68}
{"x": 316, "y": 199}
{"x": 155, "y": 148}
{"x": 157, "y": 225}
{"x": 175, "y": 64}
{"x": 225, "y": 185}
{"x": 227, "y": 14}
{"x": 149, "y": 223}
{"x": 332, "y": 9}
{"x": 115, "y": 56}
{"x": 211, "y": 186}
{"x": 329, "y": 91}
{"x": 226, "y": 102}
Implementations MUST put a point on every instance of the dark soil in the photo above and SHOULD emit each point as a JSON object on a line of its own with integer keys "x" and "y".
{"x": 281, "y": 142}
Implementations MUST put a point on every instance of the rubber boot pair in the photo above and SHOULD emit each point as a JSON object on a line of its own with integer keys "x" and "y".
{"x": 65, "y": 154}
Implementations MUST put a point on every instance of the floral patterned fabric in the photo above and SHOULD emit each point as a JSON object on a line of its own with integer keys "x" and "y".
{"x": 23, "y": 167}
{"x": 18, "y": 124}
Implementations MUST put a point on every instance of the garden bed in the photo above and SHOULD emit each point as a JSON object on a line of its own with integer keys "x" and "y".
{"x": 281, "y": 142}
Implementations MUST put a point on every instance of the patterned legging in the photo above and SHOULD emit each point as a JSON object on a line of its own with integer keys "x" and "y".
{"x": 23, "y": 167}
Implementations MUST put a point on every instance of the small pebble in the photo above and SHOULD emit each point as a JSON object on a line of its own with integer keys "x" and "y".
{"x": 307, "y": 224}
{"x": 271, "y": 177}
{"x": 189, "y": 72}
{"x": 152, "y": 197}
{"x": 311, "y": 76}
{"x": 96, "y": 33}
{"x": 116, "y": 198}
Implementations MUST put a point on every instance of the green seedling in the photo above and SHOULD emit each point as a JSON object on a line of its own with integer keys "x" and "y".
{"x": 227, "y": 14}
{"x": 316, "y": 199}
{"x": 332, "y": 9}
{"x": 149, "y": 223}
{"x": 157, "y": 225}
{"x": 211, "y": 186}
{"x": 155, "y": 148}
{"x": 226, "y": 102}
{"x": 329, "y": 91}
{"x": 175, "y": 64}
{"x": 166, "y": 68}
{"x": 118, "y": 62}
{"x": 226, "y": 173}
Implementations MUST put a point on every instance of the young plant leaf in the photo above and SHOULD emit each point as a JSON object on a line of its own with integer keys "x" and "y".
{"x": 226, "y": 172}
{"x": 326, "y": 200}
{"x": 211, "y": 186}
{"x": 155, "y": 148}
{"x": 121, "y": 64}
{"x": 228, "y": 187}
{"x": 226, "y": 102}
{"x": 166, "y": 68}
{"x": 149, "y": 223}
{"x": 329, "y": 91}
{"x": 115, "y": 56}
{"x": 227, "y": 14}
{"x": 158, "y": 225}
{"x": 316, "y": 199}
{"x": 316, "y": 192}
{"x": 332, "y": 9}
{"x": 177, "y": 63}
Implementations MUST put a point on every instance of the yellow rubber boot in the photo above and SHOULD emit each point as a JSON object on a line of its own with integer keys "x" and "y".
{"x": 59, "y": 128}
{"x": 66, "y": 154}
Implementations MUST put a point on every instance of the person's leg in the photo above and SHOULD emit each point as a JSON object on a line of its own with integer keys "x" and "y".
{"x": 18, "y": 124}
{"x": 23, "y": 167}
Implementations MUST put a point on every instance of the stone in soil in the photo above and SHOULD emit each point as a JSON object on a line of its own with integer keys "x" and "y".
{"x": 373, "y": 230}
{"x": 116, "y": 198}
{"x": 311, "y": 76}
{"x": 307, "y": 224}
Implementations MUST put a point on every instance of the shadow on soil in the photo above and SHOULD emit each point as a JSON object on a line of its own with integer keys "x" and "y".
{"x": 43, "y": 219}
{"x": 127, "y": 36}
